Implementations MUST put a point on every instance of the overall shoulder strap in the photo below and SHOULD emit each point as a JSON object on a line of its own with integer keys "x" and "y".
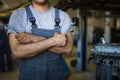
{"x": 30, "y": 17}
{"x": 57, "y": 18}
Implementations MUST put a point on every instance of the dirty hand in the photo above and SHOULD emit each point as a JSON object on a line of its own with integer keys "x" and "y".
{"x": 24, "y": 37}
{"x": 60, "y": 39}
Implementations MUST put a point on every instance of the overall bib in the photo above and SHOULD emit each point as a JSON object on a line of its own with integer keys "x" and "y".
{"x": 46, "y": 65}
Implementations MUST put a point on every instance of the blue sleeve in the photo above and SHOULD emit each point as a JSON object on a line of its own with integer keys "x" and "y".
{"x": 16, "y": 23}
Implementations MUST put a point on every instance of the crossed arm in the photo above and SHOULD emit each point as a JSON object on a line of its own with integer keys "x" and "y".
{"x": 30, "y": 45}
{"x": 29, "y": 38}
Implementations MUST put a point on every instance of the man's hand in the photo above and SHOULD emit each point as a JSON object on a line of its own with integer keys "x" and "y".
{"x": 60, "y": 40}
{"x": 24, "y": 38}
{"x": 67, "y": 49}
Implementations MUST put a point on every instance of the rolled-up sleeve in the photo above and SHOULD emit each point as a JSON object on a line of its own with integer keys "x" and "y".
{"x": 67, "y": 24}
{"x": 16, "y": 23}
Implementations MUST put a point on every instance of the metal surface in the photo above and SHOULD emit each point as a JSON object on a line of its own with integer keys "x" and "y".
{"x": 79, "y": 44}
{"x": 107, "y": 50}
{"x": 107, "y": 58}
{"x": 84, "y": 42}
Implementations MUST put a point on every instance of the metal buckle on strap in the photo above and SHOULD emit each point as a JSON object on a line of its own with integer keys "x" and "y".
{"x": 33, "y": 21}
{"x": 57, "y": 22}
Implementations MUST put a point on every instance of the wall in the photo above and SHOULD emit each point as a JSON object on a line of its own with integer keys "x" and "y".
{"x": 9, "y": 4}
{"x": 92, "y": 22}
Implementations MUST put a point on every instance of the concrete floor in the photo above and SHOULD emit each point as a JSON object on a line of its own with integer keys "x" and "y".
{"x": 89, "y": 75}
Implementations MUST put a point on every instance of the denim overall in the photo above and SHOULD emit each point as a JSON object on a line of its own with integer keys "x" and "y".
{"x": 46, "y": 65}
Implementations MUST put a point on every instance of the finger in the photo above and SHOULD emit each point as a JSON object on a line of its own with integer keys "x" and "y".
{"x": 18, "y": 38}
{"x": 26, "y": 41}
{"x": 19, "y": 35}
{"x": 21, "y": 38}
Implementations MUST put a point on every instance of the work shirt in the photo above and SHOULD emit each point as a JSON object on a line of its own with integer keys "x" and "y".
{"x": 47, "y": 65}
{"x": 45, "y": 20}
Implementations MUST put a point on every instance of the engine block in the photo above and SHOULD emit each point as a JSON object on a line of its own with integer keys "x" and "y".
{"x": 107, "y": 54}
{"x": 107, "y": 59}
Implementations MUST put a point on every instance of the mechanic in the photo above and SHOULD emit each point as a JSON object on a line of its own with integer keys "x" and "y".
{"x": 39, "y": 35}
